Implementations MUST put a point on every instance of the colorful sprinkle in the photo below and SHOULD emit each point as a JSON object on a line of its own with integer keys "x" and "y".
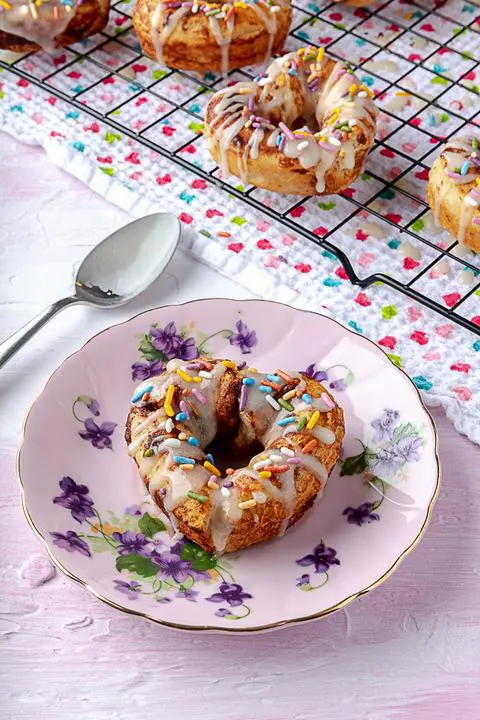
{"x": 265, "y": 388}
{"x": 243, "y": 398}
{"x": 271, "y": 401}
{"x": 310, "y": 446}
{"x": 229, "y": 364}
{"x": 211, "y": 468}
{"x": 140, "y": 393}
{"x": 196, "y": 496}
{"x": 200, "y": 396}
{"x": 181, "y": 373}
{"x": 247, "y": 504}
{"x": 301, "y": 424}
{"x": 313, "y": 420}
{"x": 327, "y": 400}
{"x": 181, "y": 460}
{"x": 172, "y": 442}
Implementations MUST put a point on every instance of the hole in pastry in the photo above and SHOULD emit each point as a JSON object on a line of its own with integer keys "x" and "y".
{"x": 308, "y": 123}
{"x": 227, "y": 455}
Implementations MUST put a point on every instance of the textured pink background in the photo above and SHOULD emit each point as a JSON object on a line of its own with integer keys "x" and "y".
{"x": 407, "y": 650}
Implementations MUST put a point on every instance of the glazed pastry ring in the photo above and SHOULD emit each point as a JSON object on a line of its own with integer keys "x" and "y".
{"x": 176, "y": 416}
{"x": 208, "y": 36}
{"x": 304, "y": 127}
{"x": 30, "y": 26}
{"x": 454, "y": 189}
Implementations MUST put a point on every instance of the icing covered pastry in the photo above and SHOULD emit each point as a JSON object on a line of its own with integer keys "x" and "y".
{"x": 304, "y": 127}
{"x": 290, "y": 419}
{"x": 205, "y": 36}
{"x": 29, "y": 25}
{"x": 454, "y": 189}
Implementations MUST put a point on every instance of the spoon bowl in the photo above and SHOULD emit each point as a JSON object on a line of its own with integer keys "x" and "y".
{"x": 127, "y": 261}
{"x": 116, "y": 271}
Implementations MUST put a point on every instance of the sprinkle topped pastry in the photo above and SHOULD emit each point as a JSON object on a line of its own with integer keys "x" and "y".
{"x": 226, "y": 511}
{"x": 30, "y": 25}
{"x": 454, "y": 189}
{"x": 304, "y": 127}
{"x": 209, "y": 36}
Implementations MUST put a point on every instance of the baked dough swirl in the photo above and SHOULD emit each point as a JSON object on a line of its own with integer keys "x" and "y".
{"x": 209, "y": 36}
{"x": 176, "y": 416}
{"x": 304, "y": 127}
{"x": 454, "y": 189}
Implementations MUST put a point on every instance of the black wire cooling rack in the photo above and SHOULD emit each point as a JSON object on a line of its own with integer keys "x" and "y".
{"x": 308, "y": 15}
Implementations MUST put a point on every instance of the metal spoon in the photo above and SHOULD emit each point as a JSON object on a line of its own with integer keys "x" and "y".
{"x": 117, "y": 270}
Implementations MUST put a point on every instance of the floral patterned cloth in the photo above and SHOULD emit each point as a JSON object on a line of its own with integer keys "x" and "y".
{"x": 410, "y": 55}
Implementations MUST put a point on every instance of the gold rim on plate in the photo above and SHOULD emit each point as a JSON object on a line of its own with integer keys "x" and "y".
{"x": 216, "y": 628}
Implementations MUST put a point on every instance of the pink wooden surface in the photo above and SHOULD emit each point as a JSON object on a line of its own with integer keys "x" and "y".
{"x": 408, "y": 650}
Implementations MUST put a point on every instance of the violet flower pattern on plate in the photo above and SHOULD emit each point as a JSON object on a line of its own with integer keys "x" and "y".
{"x": 322, "y": 558}
{"x": 160, "y": 344}
{"x": 386, "y": 458}
{"x": 98, "y": 433}
{"x": 147, "y": 560}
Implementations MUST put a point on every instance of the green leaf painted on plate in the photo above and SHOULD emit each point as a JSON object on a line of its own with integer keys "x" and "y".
{"x": 199, "y": 559}
{"x": 148, "y": 351}
{"x": 238, "y": 220}
{"x": 355, "y": 464}
{"x": 136, "y": 563}
{"x": 149, "y": 525}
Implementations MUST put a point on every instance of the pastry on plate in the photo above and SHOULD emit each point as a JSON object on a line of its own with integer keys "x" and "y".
{"x": 304, "y": 127}
{"x": 290, "y": 423}
{"x": 31, "y": 26}
{"x": 215, "y": 37}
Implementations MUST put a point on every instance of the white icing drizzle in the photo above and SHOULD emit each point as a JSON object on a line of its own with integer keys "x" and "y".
{"x": 258, "y": 420}
{"x": 40, "y": 24}
{"x": 233, "y": 112}
{"x": 222, "y": 24}
{"x": 162, "y": 30}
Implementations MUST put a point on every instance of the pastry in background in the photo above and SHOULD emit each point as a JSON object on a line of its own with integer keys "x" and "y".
{"x": 28, "y": 26}
{"x": 454, "y": 189}
{"x": 215, "y": 37}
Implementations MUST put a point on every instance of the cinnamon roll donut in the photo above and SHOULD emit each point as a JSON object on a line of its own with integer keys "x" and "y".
{"x": 210, "y": 36}
{"x": 454, "y": 189}
{"x": 304, "y": 127}
{"x": 28, "y": 26}
{"x": 175, "y": 417}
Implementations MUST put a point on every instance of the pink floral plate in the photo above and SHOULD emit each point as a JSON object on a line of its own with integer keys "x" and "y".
{"x": 83, "y": 496}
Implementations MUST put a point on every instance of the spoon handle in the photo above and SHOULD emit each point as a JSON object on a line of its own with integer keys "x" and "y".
{"x": 11, "y": 345}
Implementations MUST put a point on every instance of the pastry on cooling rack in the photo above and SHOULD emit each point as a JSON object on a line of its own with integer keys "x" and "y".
{"x": 454, "y": 189}
{"x": 209, "y": 36}
{"x": 28, "y": 26}
{"x": 176, "y": 416}
{"x": 304, "y": 127}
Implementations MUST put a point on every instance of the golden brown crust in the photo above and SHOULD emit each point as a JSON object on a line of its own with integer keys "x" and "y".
{"x": 90, "y": 17}
{"x": 264, "y": 521}
{"x": 193, "y": 46}
{"x": 446, "y": 200}
{"x": 273, "y": 170}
